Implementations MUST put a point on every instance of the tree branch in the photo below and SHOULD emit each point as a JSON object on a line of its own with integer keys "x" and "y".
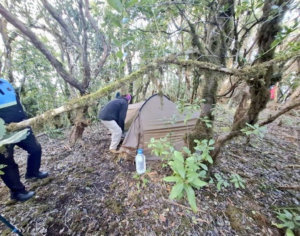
{"x": 63, "y": 24}
{"x": 106, "y": 46}
{"x": 42, "y": 48}
{"x": 88, "y": 100}
{"x": 8, "y": 57}
{"x": 283, "y": 111}
{"x": 84, "y": 57}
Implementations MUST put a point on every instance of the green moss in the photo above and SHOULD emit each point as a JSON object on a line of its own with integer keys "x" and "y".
{"x": 115, "y": 206}
{"x": 235, "y": 217}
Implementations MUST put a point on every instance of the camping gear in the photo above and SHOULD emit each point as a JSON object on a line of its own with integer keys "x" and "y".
{"x": 140, "y": 162}
{"x": 9, "y": 225}
{"x": 272, "y": 92}
{"x": 154, "y": 118}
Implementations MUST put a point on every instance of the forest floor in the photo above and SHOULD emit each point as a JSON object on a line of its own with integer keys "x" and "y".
{"x": 89, "y": 193}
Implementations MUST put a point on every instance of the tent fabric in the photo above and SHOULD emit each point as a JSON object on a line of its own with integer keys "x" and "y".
{"x": 131, "y": 114}
{"x": 155, "y": 118}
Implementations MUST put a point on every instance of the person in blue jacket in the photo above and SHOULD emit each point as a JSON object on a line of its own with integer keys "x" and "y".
{"x": 113, "y": 115}
{"x": 11, "y": 110}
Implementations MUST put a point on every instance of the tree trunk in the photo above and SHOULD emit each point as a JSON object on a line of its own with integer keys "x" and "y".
{"x": 187, "y": 81}
{"x": 129, "y": 67}
{"x": 203, "y": 130}
{"x": 217, "y": 41}
{"x": 196, "y": 83}
{"x": 259, "y": 86}
{"x": 145, "y": 89}
{"x": 179, "y": 75}
{"x": 79, "y": 126}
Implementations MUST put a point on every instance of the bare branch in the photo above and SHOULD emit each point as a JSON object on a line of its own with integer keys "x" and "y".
{"x": 283, "y": 111}
{"x": 106, "y": 46}
{"x": 41, "y": 47}
{"x": 63, "y": 24}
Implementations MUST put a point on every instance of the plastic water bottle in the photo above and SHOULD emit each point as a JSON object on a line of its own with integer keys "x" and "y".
{"x": 140, "y": 162}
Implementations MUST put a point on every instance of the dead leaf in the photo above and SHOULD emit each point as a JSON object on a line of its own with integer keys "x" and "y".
{"x": 162, "y": 218}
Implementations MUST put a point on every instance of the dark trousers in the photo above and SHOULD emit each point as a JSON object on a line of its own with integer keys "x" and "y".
{"x": 11, "y": 176}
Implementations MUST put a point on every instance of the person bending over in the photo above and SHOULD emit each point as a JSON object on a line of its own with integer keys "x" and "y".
{"x": 113, "y": 115}
{"x": 11, "y": 111}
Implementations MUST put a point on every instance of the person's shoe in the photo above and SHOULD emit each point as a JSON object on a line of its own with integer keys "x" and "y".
{"x": 114, "y": 151}
{"x": 22, "y": 197}
{"x": 40, "y": 175}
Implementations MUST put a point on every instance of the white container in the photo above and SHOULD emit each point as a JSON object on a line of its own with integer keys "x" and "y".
{"x": 140, "y": 162}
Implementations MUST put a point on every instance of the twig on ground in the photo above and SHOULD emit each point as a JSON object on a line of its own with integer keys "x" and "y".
{"x": 177, "y": 204}
{"x": 292, "y": 166}
{"x": 239, "y": 157}
{"x": 289, "y": 187}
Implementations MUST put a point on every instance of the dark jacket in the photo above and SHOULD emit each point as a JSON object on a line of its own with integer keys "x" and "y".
{"x": 11, "y": 109}
{"x": 115, "y": 110}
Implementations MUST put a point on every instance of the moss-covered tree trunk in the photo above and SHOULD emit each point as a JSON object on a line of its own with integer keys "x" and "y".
{"x": 217, "y": 42}
{"x": 259, "y": 86}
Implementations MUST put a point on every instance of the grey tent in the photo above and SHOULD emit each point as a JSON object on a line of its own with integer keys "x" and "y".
{"x": 154, "y": 118}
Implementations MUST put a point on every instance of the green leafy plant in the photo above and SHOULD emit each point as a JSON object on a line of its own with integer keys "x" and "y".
{"x": 221, "y": 182}
{"x": 172, "y": 120}
{"x": 284, "y": 33}
{"x": 290, "y": 221}
{"x": 142, "y": 181}
{"x": 189, "y": 172}
{"x": 237, "y": 181}
{"x": 185, "y": 177}
{"x": 188, "y": 108}
{"x": 207, "y": 121}
{"x": 204, "y": 147}
{"x": 254, "y": 129}
{"x": 161, "y": 147}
